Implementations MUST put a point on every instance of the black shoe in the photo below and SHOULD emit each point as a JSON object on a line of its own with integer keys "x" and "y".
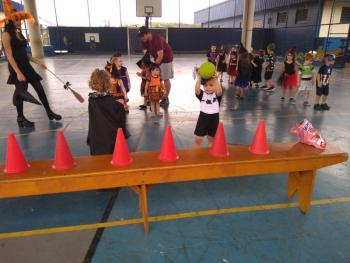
{"x": 142, "y": 107}
{"x": 318, "y": 107}
{"x": 53, "y": 116}
{"x": 282, "y": 98}
{"x": 164, "y": 102}
{"x": 292, "y": 101}
{"x": 24, "y": 123}
{"x": 324, "y": 106}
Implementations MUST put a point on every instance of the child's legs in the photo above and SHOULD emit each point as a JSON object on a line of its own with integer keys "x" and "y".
{"x": 284, "y": 90}
{"x": 291, "y": 92}
{"x": 317, "y": 99}
{"x": 210, "y": 141}
{"x": 325, "y": 92}
{"x": 220, "y": 74}
{"x": 241, "y": 92}
{"x": 153, "y": 107}
{"x": 157, "y": 108}
{"x": 197, "y": 141}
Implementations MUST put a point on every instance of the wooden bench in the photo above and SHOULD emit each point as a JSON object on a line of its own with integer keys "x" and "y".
{"x": 95, "y": 172}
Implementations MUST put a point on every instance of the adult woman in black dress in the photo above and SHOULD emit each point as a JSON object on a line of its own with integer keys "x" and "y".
{"x": 21, "y": 72}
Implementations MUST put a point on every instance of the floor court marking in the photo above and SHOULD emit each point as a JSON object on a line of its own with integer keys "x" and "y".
{"x": 169, "y": 217}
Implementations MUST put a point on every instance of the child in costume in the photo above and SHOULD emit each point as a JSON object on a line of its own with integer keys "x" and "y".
{"x": 322, "y": 83}
{"x": 106, "y": 115}
{"x": 208, "y": 120}
{"x": 269, "y": 65}
{"x": 307, "y": 78}
{"x": 123, "y": 71}
{"x": 144, "y": 75}
{"x": 154, "y": 90}
{"x": 221, "y": 64}
{"x": 257, "y": 63}
{"x": 117, "y": 89}
{"x": 290, "y": 76}
{"x": 232, "y": 67}
{"x": 212, "y": 54}
{"x": 244, "y": 69}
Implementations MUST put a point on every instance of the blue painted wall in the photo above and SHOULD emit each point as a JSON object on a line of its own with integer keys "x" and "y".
{"x": 111, "y": 39}
{"x": 189, "y": 39}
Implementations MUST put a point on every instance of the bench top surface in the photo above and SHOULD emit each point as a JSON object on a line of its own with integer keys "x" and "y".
{"x": 148, "y": 161}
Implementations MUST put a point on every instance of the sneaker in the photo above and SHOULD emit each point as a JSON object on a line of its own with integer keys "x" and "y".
{"x": 271, "y": 89}
{"x": 324, "y": 106}
{"x": 306, "y": 103}
{"x": 292, "y": 101}
{"x": 263, "y": 87}
{"x": 318, "y": 107}
{"x": 143, "y": 107}
{"x": 164, "y": 102}
{"x": 282, "y": 98}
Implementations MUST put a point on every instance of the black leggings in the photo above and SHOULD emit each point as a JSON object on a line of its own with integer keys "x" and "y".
{"x": 18, "y": 101}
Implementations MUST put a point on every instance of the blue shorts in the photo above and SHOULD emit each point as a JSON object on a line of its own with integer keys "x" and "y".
{"x": 242, "y": 83}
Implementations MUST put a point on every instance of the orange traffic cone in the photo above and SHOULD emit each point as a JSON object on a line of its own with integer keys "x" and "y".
{"x": 168, "y": 151}
{"x": 63, "y": 156}
{"x": 15, "y": 160}
{"x": 219, "y": 147}
{"x": 121, "y": 156}
{"x": 259, "y": 145}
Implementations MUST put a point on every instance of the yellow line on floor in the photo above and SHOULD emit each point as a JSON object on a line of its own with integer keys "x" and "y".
{"x": 235, "y": 210}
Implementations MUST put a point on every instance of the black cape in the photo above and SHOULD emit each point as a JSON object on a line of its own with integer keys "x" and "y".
{"x": 105, "y": 117}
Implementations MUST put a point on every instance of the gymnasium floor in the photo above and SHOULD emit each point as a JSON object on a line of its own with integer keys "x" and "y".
{"x": 255, "y": 232}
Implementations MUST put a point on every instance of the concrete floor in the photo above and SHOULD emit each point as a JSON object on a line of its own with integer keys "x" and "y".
{"x": 282, "y": 235}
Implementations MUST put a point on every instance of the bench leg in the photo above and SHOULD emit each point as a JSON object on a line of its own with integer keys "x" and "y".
{"x": 144, "y": 208}
{"x": 303, "y": 183}
{"x": 292, "y": 184}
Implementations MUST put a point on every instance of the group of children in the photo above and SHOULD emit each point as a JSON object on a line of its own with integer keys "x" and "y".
{"x": 245, "y": 69}
{"x": 108, "y": 101}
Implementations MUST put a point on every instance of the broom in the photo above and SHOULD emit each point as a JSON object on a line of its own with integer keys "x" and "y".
{"x": 66, "y": 85}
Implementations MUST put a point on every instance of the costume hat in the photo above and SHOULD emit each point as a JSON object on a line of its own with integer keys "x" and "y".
{"x": 12, "y": 14}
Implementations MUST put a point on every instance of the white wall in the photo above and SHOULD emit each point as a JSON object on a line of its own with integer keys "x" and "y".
{"x": 334, "y": 30}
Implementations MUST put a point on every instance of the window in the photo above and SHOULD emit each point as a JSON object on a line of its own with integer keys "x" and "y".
{"x": 345, "y": 15}
{"x": 301, "y": 15}
{"x": 258, "y": 24}
{"x": 269, "y": 21}
{"x": 282, "y": 18}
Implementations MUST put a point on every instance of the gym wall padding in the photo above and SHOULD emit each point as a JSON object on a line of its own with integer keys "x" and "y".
{"x": 182, "y": 40}
{"x": 111, "y": 39}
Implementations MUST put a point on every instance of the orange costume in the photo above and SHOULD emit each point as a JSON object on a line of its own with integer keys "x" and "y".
{"x": 155, "y": 92}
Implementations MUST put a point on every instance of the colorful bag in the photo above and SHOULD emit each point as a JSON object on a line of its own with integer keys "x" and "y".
{"x": 308, "y": 134}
